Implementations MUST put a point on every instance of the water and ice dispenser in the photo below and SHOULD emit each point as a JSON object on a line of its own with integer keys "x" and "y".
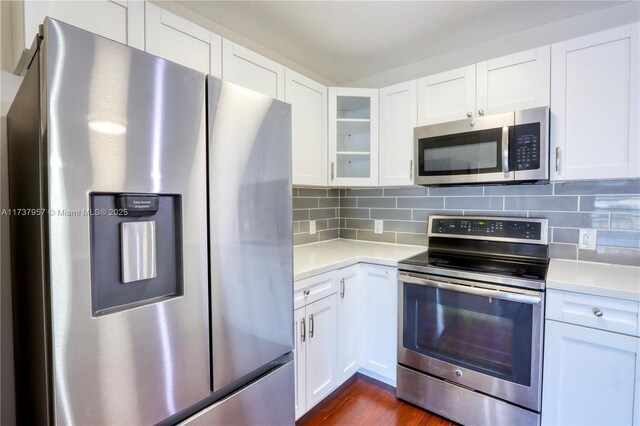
{"x": 136, "y": 250}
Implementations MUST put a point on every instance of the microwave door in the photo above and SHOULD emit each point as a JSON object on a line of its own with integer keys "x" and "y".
{"x": 464, "y": 151}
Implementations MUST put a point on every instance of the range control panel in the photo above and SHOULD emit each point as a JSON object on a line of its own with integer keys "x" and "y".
{"x": 493, "y": 228}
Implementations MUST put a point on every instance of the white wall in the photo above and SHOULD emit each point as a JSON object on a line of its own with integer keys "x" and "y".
{"x": 9, "y": 84}
{"x": 546, "y": 34}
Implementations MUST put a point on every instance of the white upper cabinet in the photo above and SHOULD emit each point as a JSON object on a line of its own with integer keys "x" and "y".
{"x": 594, "y": 106}
{"x": 308, "y": 101}
{"x": 353, "y": 136}
{"x": 398, "y": 117}
{"x": 181, "y": 41}
{"x": 513, "y": 82}
{"x": 509, "y": 83}
{"x": 248, "y": 69}
{"x": 446, "y": 96}
{"x": 122, "y": 21}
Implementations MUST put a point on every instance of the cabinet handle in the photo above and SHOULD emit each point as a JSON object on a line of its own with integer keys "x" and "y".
{"x": 480, "y": 112}
{"x": 557, "y": 159}
{"x": 597, "y": 312}
{"x": 469, "y": 114}
{"x": 332, "y": 171}
{"x": 411, "y": 170}
{"x": 306, "y": 292}
{"x": 342, "y": 288}
{"x": 303, "y": 331}
{"x": 311, "y": 326}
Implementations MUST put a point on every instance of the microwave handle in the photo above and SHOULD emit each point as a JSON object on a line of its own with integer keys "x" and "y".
{"x": 505, "y": 149}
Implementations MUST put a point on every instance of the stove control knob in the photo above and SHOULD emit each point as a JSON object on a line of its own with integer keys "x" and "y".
{"x": 440, "y": 227}
{"x": 458, "y": 373}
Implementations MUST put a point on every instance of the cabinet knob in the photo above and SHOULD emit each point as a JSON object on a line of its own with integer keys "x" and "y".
{"x": 458, "y": 373}
{"x": 469, "y": 114}
{"x": 597, "y": 312}
{"x": 306, "y": 292}
{"x": 480, "y": 112}
{"x": 473, "y": 123}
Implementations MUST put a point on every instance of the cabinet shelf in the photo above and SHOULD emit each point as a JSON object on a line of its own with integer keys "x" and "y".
{"x": 353, "y": 153}
{"x": 348, "y": 127}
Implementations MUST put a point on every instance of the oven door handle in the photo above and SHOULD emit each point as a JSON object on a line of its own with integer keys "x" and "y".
{"x": 495, "y": 294}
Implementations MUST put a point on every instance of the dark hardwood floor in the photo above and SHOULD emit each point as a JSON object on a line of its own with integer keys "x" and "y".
{"x": 365, "y": 401}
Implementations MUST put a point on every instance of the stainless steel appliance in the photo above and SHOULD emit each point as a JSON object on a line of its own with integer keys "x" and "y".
{"x": 471, "y": 312}
{"x": 500, "y": 148}
{"x": 152, "y": 263}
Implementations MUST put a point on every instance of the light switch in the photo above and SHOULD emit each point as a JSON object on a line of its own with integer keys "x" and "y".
{"x": 138, "y": 250}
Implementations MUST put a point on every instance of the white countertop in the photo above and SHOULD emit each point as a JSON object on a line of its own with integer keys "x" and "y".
{"x": 317, "y": 258}
{"x": 600, "y": 279}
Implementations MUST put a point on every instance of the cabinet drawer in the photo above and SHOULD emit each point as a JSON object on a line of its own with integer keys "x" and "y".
{"x": 314, "y": 288}
{"x": 605, "y": 313}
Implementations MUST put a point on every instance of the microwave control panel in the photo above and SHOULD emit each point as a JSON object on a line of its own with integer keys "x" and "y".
{"x": 526, "y": 141}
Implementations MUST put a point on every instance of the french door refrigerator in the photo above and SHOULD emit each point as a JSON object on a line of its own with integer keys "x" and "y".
{"x": 151, "y": 241}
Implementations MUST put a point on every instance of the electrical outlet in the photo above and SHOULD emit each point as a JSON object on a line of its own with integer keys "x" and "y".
{"x": 312, "y": 227}
{"x": 587, "y": 239}
{"x": 377, "y": 226}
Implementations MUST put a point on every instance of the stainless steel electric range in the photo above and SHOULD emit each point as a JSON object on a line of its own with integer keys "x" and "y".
{"x": 471, "y": 315}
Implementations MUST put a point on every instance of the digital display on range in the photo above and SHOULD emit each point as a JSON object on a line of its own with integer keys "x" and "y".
{"x": 488, "y": 228}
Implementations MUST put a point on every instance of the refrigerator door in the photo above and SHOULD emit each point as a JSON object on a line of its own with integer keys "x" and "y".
{"x": 119, "y": 120}
{"x": 251, "y": 252}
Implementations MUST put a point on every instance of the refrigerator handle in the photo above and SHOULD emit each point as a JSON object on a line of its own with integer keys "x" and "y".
{"x": 303, "y": 331}
{"x": 311, "y": 326}
{"x": 342, "y": 288}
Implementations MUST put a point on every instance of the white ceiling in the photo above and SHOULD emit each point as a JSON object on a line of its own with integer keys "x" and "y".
{"x": 347, "y": 40}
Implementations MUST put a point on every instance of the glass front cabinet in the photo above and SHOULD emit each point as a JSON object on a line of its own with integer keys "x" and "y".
{"x": 353, "y": 137}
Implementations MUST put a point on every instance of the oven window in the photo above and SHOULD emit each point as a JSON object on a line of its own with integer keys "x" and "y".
{"x": 464, "y": 153}
{"x": 491, "y": 336}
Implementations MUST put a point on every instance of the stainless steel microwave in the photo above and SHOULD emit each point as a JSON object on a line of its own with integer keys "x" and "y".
{"x": 501, "y": 148}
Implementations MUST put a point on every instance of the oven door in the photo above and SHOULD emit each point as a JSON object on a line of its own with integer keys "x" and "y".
{"x": 464, "y": 151}
{"x": 482, "y": 336}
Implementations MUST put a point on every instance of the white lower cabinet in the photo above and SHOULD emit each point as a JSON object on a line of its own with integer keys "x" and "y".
{"x": 349, "y": 322}
{"x": 316, "y": 343}
{"x": 590, "y": 374}
{"x": 380, "y": 325}
{"x": 345, "y": 322}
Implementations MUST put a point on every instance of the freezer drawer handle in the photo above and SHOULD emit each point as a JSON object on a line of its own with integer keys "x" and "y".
{"x": 311, "y": 326}
{"x": 303, "y": 331}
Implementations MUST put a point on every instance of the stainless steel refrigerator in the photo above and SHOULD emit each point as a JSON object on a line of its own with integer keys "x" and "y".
{"x": 151, "y": 241}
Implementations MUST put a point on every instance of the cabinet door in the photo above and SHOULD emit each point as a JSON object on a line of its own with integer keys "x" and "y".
{"x": 299, "y": 357}
{"x": 353, "y": 136}
{"x": 321, "y": 368}
{"x": 181, "y": 41}
{"x": 122, "y": 21}
{"x": 379, "y": 331}
{"x": 349, "y": 316}
{"x": 513, "y": 82}
{"x": 308, "y": 101}
{"x": 594, "y": 106}
{"x": 398, "y": 117}
{"x": 248, "y": 69}
{"x": 589, "y": 376}
{"x": 447, "y": 96}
